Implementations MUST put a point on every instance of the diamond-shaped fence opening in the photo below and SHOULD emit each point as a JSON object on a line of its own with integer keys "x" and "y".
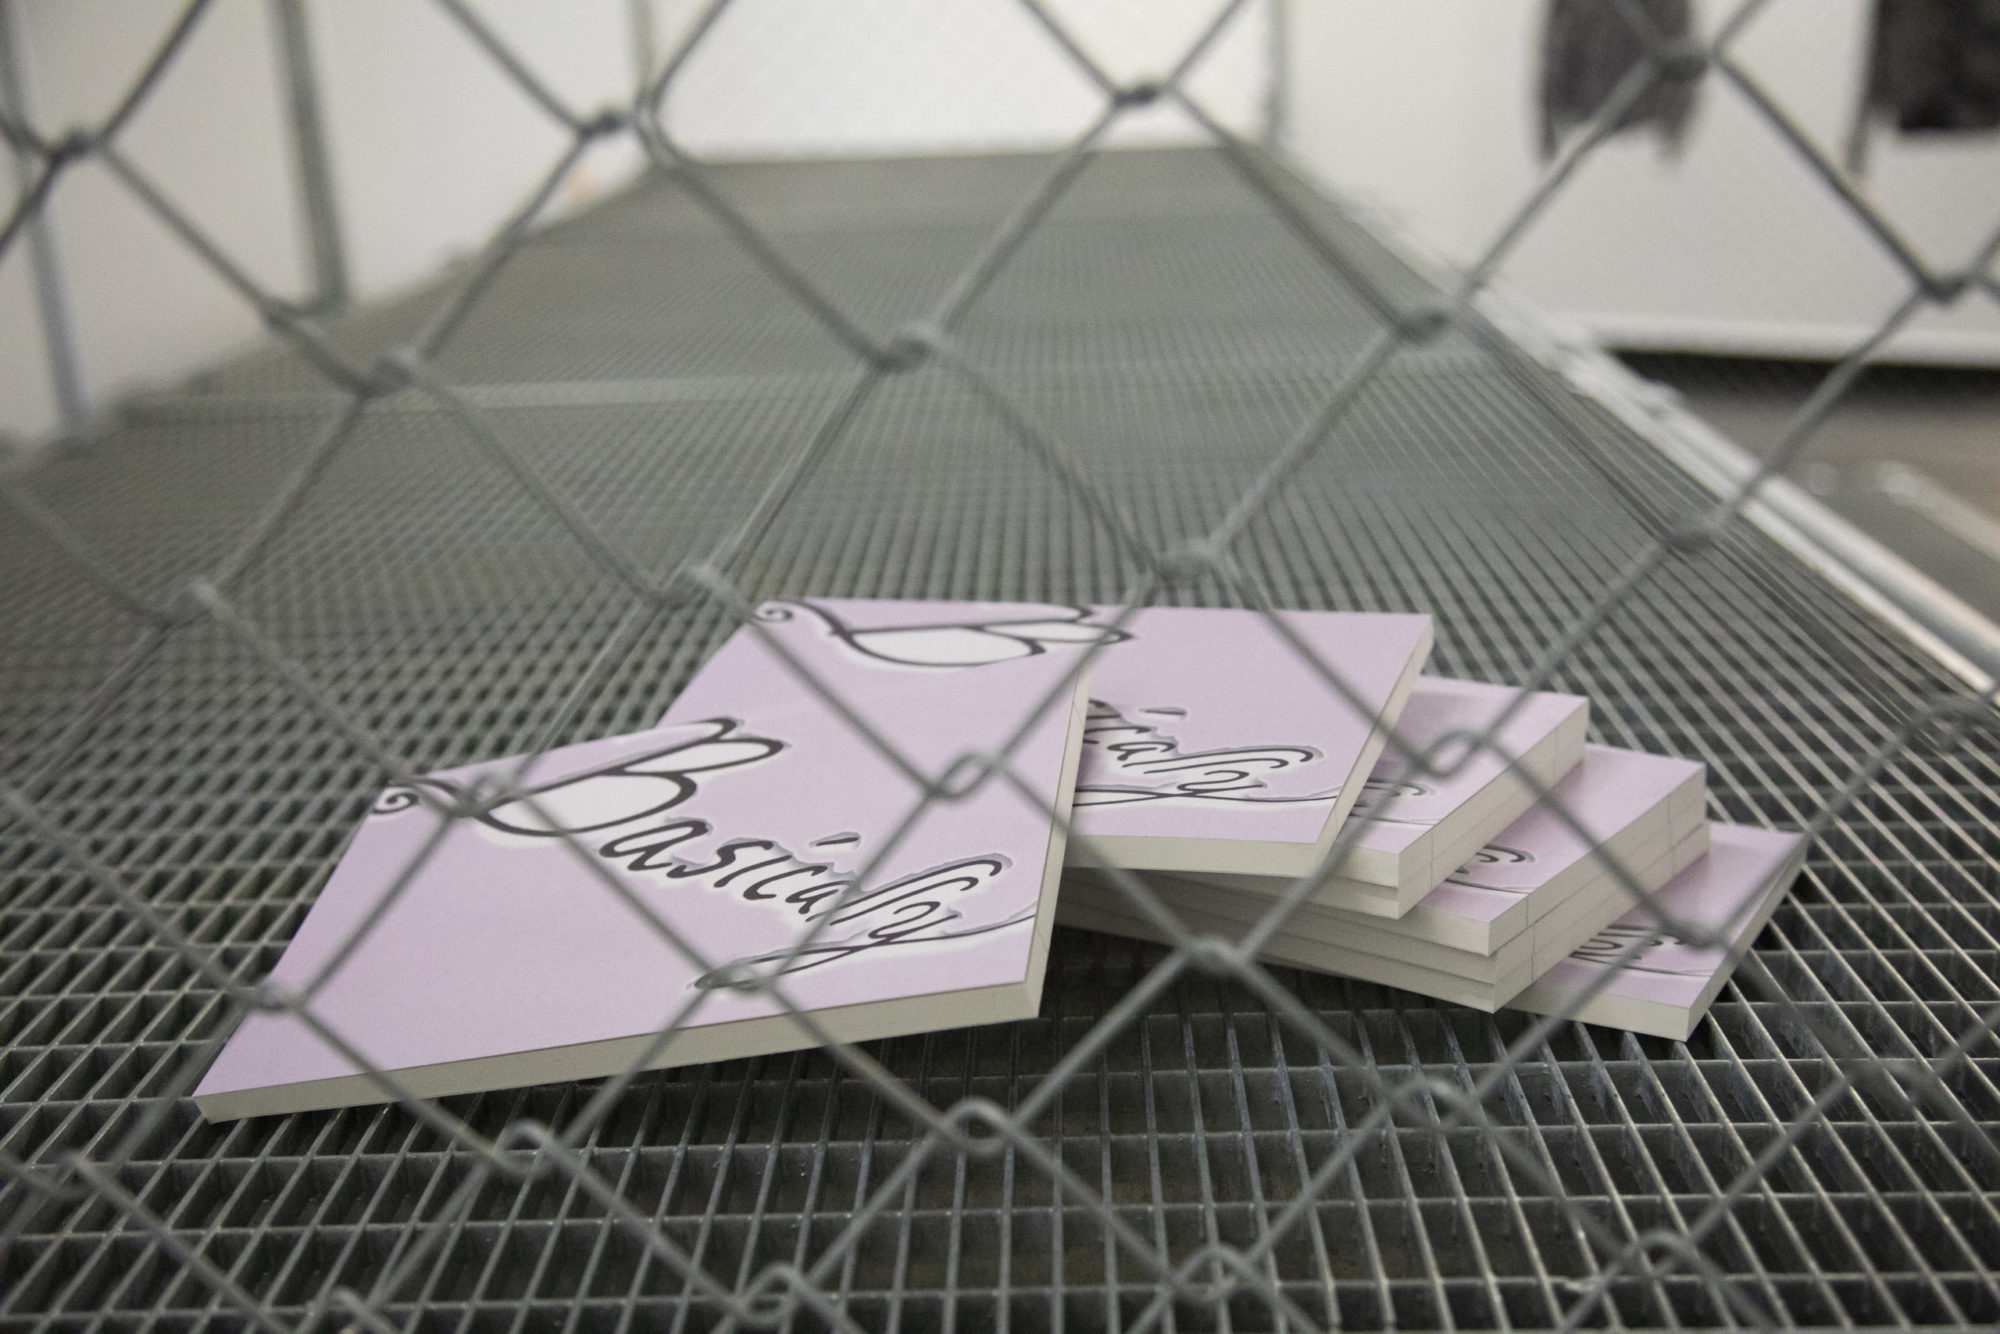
{"x": 517, "y": 507}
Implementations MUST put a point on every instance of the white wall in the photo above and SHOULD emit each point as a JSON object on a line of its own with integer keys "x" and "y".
{"x": 784, "y": 78}
{"x": 1420, "y": 105}
{"x": 144, "y": 307}
{"x": 430, "y": 149}
{"x": 1425, "y": 107}
{"x": 432, "y": 146}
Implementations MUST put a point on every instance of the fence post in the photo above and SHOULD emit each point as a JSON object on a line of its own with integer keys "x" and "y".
{"x": 1277, "y": 73}
{"x": 316, "y": 201}
{"x": 643, "y": 32}
{"x": 44, "y": 258}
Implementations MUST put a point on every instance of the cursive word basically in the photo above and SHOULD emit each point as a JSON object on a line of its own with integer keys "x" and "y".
{"x": 1127, "y": 761}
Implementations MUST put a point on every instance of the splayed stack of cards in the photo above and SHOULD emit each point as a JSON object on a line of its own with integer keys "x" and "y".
{"x": 1494, "y": 859}
{"x": 800, "y": 851}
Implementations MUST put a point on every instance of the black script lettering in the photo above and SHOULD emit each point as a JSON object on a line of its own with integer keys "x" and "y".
{"x": 908, "y": 910}
{"x": 742, "y": 973}
{"x": 957, "y": 643}
{"x": 812, "y": 896}
{"x": 1144, "y": 751}
{"x": 726, "y": 856}
{"x": 641, "y": 849}
{"x": 756, "y": 891}
{"x": 637, "y": 787}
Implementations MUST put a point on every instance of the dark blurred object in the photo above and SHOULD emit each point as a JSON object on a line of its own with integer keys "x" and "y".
{"x": 1933, "y": 68}
{"x": 1590, "y": 46}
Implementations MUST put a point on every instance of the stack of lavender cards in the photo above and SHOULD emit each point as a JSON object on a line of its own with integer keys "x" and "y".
{"x": 764, "y": 871}
{"x": 1460, "y": 886}
{"x": 605, "y": 914}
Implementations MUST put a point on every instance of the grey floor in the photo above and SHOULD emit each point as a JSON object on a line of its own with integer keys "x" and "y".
{"x": 1913, "y": 459}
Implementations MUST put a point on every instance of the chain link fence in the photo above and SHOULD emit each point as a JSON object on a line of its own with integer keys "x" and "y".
{"x": 333, "y": 594}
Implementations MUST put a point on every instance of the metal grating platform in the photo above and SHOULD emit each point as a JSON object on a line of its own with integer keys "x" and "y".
{"x": 1169, "y": 329}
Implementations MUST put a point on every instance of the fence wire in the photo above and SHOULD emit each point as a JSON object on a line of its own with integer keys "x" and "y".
{"x": 1186, "y": 1138}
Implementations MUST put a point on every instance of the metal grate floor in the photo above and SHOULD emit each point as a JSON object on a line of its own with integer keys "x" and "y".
{"x": 1171, "y": 332}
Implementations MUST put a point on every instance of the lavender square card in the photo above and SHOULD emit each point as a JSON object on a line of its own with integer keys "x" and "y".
{"x": 1665, "y": 985}
{"x": 1415, "y": 828}
{"x": 515, "y": 956}
{"x": 1211, "y": 746}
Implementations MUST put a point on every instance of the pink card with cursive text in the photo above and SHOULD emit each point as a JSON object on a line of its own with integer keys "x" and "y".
{"x": 1214, "y": 743}
{"x": 696, "y": 852}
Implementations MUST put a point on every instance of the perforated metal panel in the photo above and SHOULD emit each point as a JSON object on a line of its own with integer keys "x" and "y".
{"x": 1172, "y": 333}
